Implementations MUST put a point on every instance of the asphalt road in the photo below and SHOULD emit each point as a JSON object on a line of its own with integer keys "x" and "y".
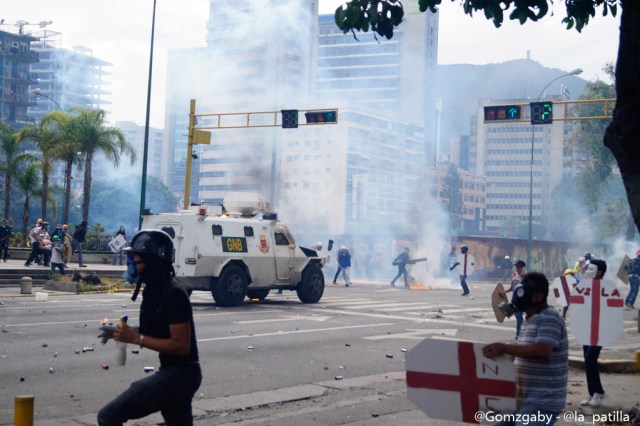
{"x": 359, "y": 333}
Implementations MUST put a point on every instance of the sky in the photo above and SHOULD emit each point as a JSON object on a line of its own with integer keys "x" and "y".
{"x": 119, "y": 31}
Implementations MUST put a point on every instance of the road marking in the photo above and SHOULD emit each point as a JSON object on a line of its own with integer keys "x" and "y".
{"x": 281, "y": 333}
{"x": 135, "y": 310}
{"x": 463, "y": 310}
{"x": 420, "y": 306}
{"x": 418, "y": 320}
{"x": 416, "y": 334}
{"x": 289, "y": 318}
{"x": 381, "y": 305}
{"x": 357, "y": 303}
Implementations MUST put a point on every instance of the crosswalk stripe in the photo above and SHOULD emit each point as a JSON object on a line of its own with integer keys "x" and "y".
{"x": 418, "y": 306}
{"x": 356, "y": 303}
{"x": 463, "y": 310}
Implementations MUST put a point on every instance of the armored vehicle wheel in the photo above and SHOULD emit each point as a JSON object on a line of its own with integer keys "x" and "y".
{"x": 311, "y": 287}
{"x": 230, "y": 288}
{"x": 260, "y": 294}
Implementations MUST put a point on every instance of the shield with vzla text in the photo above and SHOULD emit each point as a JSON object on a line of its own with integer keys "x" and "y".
{"x": 453, "y": 380}
{"x": 562, "y": 287}
{"x": 596, "y": 312}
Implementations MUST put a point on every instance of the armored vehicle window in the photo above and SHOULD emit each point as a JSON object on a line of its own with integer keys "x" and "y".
{"x": 281, "y": 240}
{"x": 216, "y": 229}
{"x": 248, "y": 231}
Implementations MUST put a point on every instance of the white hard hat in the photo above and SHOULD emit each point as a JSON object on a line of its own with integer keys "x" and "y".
{"x": 343, "y": 247}
{"x": 319, "y": 244}
{"x": 506, "y": 257}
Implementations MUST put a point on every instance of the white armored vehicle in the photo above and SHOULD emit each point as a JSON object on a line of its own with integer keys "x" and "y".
{"x": 239, "y": 250}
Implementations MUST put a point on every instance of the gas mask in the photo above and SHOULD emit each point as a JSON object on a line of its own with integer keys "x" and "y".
{"x": 521, "y": 300}
{"x": 131, "y": 274}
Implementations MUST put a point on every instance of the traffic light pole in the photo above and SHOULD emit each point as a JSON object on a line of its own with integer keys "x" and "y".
{"x": 187, "y": 180}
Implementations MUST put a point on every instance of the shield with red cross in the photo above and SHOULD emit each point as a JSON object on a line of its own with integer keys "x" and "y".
{"x": 596, "y": 313}
{"x": 467, "y": 264}
{"x": 562, "y": 289}
{"x": 453, "y": 380}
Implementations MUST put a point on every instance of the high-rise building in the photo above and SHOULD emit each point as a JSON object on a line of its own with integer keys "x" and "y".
{"x": 134, "y": 134}
{"x": 244, "y": 67}
{"x": 66, "y": 78}
{"x": 356, "y": 177}
{"x": 16, "y": 55}
{"x": 352, "y": 178}
{"x": 503, "y": 155}
{"x": 393, "y": 77}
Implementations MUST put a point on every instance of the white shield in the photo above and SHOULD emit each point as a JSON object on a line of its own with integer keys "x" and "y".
{"x": 453, "y": 380}
{"x": 562, "y": 287}
{"x": 117, "y": 243}
{"x": 596, "y": 312}
{"x": 467, "y": 264}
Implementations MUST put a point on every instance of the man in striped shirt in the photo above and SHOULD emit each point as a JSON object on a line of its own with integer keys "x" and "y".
{"x": 541, "y": 354}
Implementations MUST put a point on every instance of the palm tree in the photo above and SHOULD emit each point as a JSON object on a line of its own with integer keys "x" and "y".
{"x": 27, "y": 181}
{"x": 87, "y": 128}
{"x": 47, "y": 135}
{"x": 69, "y": 151}
{"x": 10, "y": 147}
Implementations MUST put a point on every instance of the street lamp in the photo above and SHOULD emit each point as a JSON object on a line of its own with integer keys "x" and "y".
{"x": 576, "y": 71}
{"x": 37, "y": 92}
{"x": 143, "y": 186}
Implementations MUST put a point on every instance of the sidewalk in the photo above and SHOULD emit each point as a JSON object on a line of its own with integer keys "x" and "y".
{"x": 620, "y": 389}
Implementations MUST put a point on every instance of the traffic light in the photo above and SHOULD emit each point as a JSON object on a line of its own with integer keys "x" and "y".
{"x": 542, "y": 112}
{"x": 289, "y": 118}
{"x": 322, "y": 117}
{"x": 502, "y": 112}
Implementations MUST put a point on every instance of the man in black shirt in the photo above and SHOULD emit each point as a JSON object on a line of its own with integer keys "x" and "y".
{"x": 166, "y": 326}
{"x": 78, "y": 238}
{"x": 5, "y": 236}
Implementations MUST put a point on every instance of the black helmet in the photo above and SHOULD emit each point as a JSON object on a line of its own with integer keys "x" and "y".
{"x": 587, "y": 256}
{"x": 45, "y": 224}
{"x": 464, "y": 249}
{"x": 154, "y": 243}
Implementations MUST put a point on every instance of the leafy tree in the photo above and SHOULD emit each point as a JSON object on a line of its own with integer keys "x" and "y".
{"x": 88, "y": 129}
{"x": 598, "y": 166}
{"x": 27, "y": 181}
{"x": 46, "y": 135}
{"x": 452, "y": 196}
{"x": 621, "y": 135}
{"x": 69, "y": 151}
{"x": 114, "y": 203}
{"x": 10, "y": 147}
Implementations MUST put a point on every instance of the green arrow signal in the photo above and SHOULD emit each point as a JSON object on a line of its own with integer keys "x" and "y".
{"x": 513, "y": 112}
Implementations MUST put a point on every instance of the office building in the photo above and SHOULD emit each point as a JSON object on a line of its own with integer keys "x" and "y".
{"x": 501, "y": 153}
{"x": 16, "y": 56}
{"x": 66, "y": 78}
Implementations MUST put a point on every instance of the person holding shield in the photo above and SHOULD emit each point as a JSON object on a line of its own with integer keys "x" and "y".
{"x": 120, "y": 252}
{"x": 595, "y": 270}
{"x": 541, "y": 353}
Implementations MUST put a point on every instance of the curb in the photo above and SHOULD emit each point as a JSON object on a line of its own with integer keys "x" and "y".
{"x": 615, "y": 366}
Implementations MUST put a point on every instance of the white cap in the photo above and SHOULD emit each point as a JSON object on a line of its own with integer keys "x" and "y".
{"x": 319, "y": 244}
